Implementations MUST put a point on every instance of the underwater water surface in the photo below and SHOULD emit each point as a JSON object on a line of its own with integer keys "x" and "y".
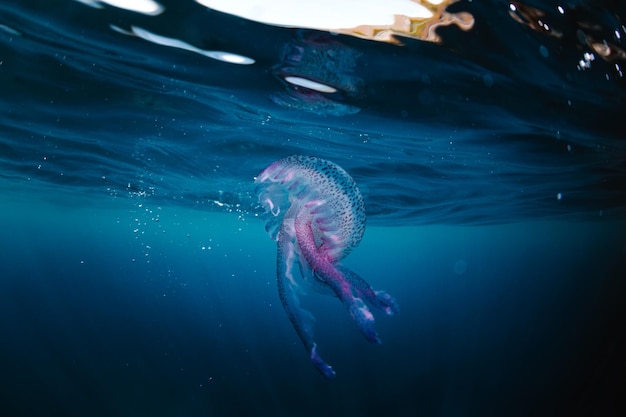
{"x": 137, "y": 277}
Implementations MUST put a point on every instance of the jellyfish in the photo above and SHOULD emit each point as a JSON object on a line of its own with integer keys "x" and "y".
{"x": 316, "y": 213}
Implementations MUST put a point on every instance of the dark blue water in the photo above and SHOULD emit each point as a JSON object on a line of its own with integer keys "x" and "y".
{"x": 136, "y": 278}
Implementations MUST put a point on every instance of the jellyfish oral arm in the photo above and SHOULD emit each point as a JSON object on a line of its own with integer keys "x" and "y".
{"x": 378, "y": 299}
{"x": 301, "y": 319}
{"x": 331, "y": 276}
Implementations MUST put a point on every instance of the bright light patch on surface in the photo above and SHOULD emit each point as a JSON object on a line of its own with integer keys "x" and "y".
{"x": 231, "y": 58}
{"x": 147, "y": 7}
{"x": 320, "y": 14}
{"x": 177, "y": 43}
{"x": 312, "y": 85}
{"x": 91, "y": 3}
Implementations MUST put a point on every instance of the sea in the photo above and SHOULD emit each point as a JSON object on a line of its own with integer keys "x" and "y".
{"x": 137, "y": 278}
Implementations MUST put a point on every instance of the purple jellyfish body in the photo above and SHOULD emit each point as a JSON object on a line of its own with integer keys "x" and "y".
{"x": 316, "y": 213}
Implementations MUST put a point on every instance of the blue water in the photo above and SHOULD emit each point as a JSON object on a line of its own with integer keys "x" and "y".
{"x": 136, "y": 277}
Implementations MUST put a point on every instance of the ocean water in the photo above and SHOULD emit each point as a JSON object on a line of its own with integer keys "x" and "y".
{"x": 136, "y": 275}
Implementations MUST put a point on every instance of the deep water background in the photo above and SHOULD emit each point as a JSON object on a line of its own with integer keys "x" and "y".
{"x": 136, "y": 277}
{"x": 515, "y": 319}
